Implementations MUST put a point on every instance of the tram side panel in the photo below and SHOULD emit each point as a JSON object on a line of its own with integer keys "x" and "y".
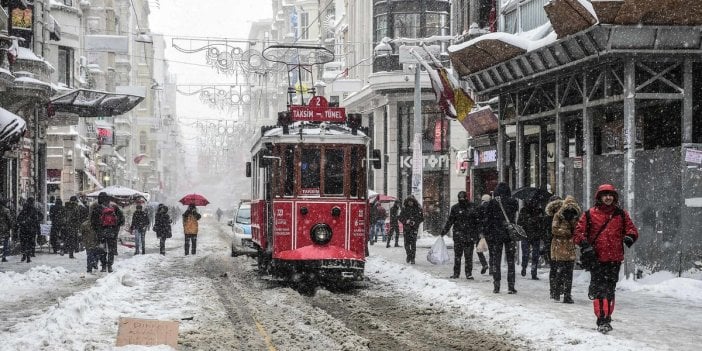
{"x": 258, "y": 223}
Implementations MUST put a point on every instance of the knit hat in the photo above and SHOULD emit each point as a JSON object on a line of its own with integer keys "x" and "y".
{"x": 486, "y": 197}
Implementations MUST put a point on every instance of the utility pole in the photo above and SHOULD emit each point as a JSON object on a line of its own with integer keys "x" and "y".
{"x": 417, "y": 160}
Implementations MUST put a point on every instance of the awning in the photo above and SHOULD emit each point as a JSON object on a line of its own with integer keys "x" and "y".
{"x": 569, "y": 16}
{"x": 54, "y": 29}
{"x": 93, "y": 103}
{"x": 485, "y": 51}
{"x": 92, "y": 178}
{"x": 12, "y": 128}
{"x": 481, "y": 121}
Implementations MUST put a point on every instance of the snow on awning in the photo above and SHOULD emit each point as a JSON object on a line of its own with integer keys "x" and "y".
{"x": 480, "y": 121}
{"x": 485, "y": 51}
{"x": 119, "y": 157}
{"x": 570, "y": 16}
{"x": 92, "y": 178}
{"x": 93, "y": 103}
{"x": 12, "y": 128}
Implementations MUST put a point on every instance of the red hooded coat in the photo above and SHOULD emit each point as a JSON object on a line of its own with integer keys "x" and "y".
{"x": 609, "y": 244}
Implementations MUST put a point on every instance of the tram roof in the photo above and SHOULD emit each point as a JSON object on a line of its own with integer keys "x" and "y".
{"x": 312, "y": 133}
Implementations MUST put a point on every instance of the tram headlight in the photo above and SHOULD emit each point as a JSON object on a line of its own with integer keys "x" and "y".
{"x": 321, "y": 233}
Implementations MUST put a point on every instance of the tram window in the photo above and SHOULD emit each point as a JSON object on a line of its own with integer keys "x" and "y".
{"x": 354, "y": 172}
{"x": 310, "y": 170}
{"x": 289, "y": 162}
{"x": 334, "y": 171}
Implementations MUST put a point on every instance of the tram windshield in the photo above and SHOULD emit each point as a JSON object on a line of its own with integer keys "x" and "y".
{"x": 310, "y": 169}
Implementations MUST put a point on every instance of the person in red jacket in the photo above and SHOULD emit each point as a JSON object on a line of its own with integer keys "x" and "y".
{"x": 607, "y": 228}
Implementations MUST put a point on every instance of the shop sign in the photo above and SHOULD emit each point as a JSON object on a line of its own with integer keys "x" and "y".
{"x": 484, "y": 156}
{"x": 431, "y": 162}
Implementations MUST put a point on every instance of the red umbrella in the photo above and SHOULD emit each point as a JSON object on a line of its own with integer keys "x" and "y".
{"x": 194, "y": 199}
{"x": 383, "y": 198}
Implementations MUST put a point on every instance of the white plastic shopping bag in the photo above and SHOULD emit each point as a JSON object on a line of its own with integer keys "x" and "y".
{"x": 482, "y": 245}
{"x": 438, "y": 253}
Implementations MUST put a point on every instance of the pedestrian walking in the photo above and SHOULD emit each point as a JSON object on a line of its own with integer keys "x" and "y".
{"x": 380, "y": 215}
{"x": 394, "y": 223}
{"x": 28, "y": 221}
{"x": 7, "y": 223}
{"x": 106, "y": 219}
{"x": 57, "y": 218}
{"x": 565, "y": 215}
{"x": 140, "y": 223}
{"x": 498, "y": 237}
{"x": 162, "y": 227}
{"x": 411, "y": 217}
{"x": 73, "y": 217}
{"x": 606, "y": 228}
{"x": 371, "y": 219}
{"x": 219, "y": 214}
{"x": 466, "y": 223}
{"x": 481, "y": 255}
{"x": 93, "y": 251}
{"x": 190, "y": 228}
{"x": 531, "y": 218}
{"x": 557, "y": 201}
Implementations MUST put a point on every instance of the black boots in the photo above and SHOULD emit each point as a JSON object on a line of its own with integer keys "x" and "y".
{"x": 109, "y": 269}
{"x": 567, "y": 299}
{"x": 496, "y": 289}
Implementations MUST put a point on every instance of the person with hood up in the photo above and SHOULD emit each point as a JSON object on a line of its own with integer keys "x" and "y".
{"x": 57, "y": 218}
{"x": 411, "y": 217}
{"x": 607, "y": 228}
{"x": 497, "y": 236}
{"x": 190, "y": 227}
{"x": 394, "y": 223}
{"x": 106, "y": 219}
{"x": 531, "y": 218}
{"x": 162, "y": 227}
{"x": 28, "y": 221}
{"x": 140, "y": 222}
{"x": 465, "y": 220}
{"x": 73, "y": 217}
{"x": 565, "y": 215}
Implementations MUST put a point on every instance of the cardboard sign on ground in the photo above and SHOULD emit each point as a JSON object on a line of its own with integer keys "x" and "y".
{"x": 135, "y": 331}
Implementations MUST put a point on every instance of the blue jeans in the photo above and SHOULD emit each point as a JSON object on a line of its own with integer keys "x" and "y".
{"x": 379, "y": 226}
{"x": 6, "y": 247}
{"x": 139, "y": 240}
{"x": 534, "y": 245}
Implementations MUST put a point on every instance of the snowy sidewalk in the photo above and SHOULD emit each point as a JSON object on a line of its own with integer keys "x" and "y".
{"x": 658, "y": 312}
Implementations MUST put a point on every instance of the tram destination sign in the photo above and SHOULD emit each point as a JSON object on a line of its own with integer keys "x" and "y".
{"x": 318, "y": 110}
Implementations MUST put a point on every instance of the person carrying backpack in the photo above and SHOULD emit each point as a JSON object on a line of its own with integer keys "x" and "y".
{"x": 190, "y": 227}
{"x": 106, "y": 219}
{"x": 380, "y": 215}
{"x": 606, "y": 228}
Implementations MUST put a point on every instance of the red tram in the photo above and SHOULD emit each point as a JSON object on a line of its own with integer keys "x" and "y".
{"x": 309, "y": 208}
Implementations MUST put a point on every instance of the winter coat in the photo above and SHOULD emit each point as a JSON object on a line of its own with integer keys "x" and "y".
{"x": 394, "y": 214}
{"x": 140, "y": 220}
{"x": 531, "y": 218}
{"x": 465, "y": 219}
{"x": 162, "y": 224}
{"x": 72, "y": 218}
{"x": 28, "y": 221}
{"x": 88, "y": 235}
{"x": 57, "y": 218}
{"x": 411, "y": 216}
{"x": 609, "y": 244}
{"x": 7, "y": 222}
{"x": 562, "y": 229}
{"x": 96, "y": 222}
{"x": 494, "y": 228}
{"x": 190, "y": 225}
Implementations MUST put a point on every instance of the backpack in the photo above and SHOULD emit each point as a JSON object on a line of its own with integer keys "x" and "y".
{"x": 108, "y": 217}
{"x": 381, "y": 213}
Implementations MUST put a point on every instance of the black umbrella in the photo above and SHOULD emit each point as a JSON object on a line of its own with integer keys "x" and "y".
{"x": 532, "y": 194}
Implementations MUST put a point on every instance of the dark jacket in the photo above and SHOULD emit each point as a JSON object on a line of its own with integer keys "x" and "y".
{"x": 162, "y": 223}
{"x": 609, "y": 244}
{"x": 394, "y": 214}
{"x": 7, "y": 222}
{"x": 411, "y": 215}
{"x": 140, "y": 220}
{"x": 465, "y": 219}
{"x": 28, "y": 221}
{"x": 494, "y": 221}
{"x": 57, "y": 218}
{"x": 96, "y": 222}
{"x": 72, "y": 218}
{"x": 531, "y": 218}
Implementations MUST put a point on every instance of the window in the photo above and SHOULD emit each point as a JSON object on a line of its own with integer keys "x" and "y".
{"x": 142, "y": 142}
{"x": 310, "y": 169}
{"x": 406, "y": 25}
{"x": 289, "y": 170}
{"x": 381, "y": 27}
{"x": 436, "y": 24}
{"x": 304, "y": 24}
{"x": 68, "y": 2}
{"x": 334, "y": 171}
{"x": 65, "y": 66}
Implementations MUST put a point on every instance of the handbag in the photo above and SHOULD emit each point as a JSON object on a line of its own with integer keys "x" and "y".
{"x": 516, "y": 232}
{"x": 588, "y": 254}
{"x": 482, "y": 245}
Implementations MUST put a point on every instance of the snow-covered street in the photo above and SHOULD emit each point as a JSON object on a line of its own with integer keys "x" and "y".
{"x": 222, "y": 304}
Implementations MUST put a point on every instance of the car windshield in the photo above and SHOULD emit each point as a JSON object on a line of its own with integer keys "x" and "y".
{"x": 243, "y": 216}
